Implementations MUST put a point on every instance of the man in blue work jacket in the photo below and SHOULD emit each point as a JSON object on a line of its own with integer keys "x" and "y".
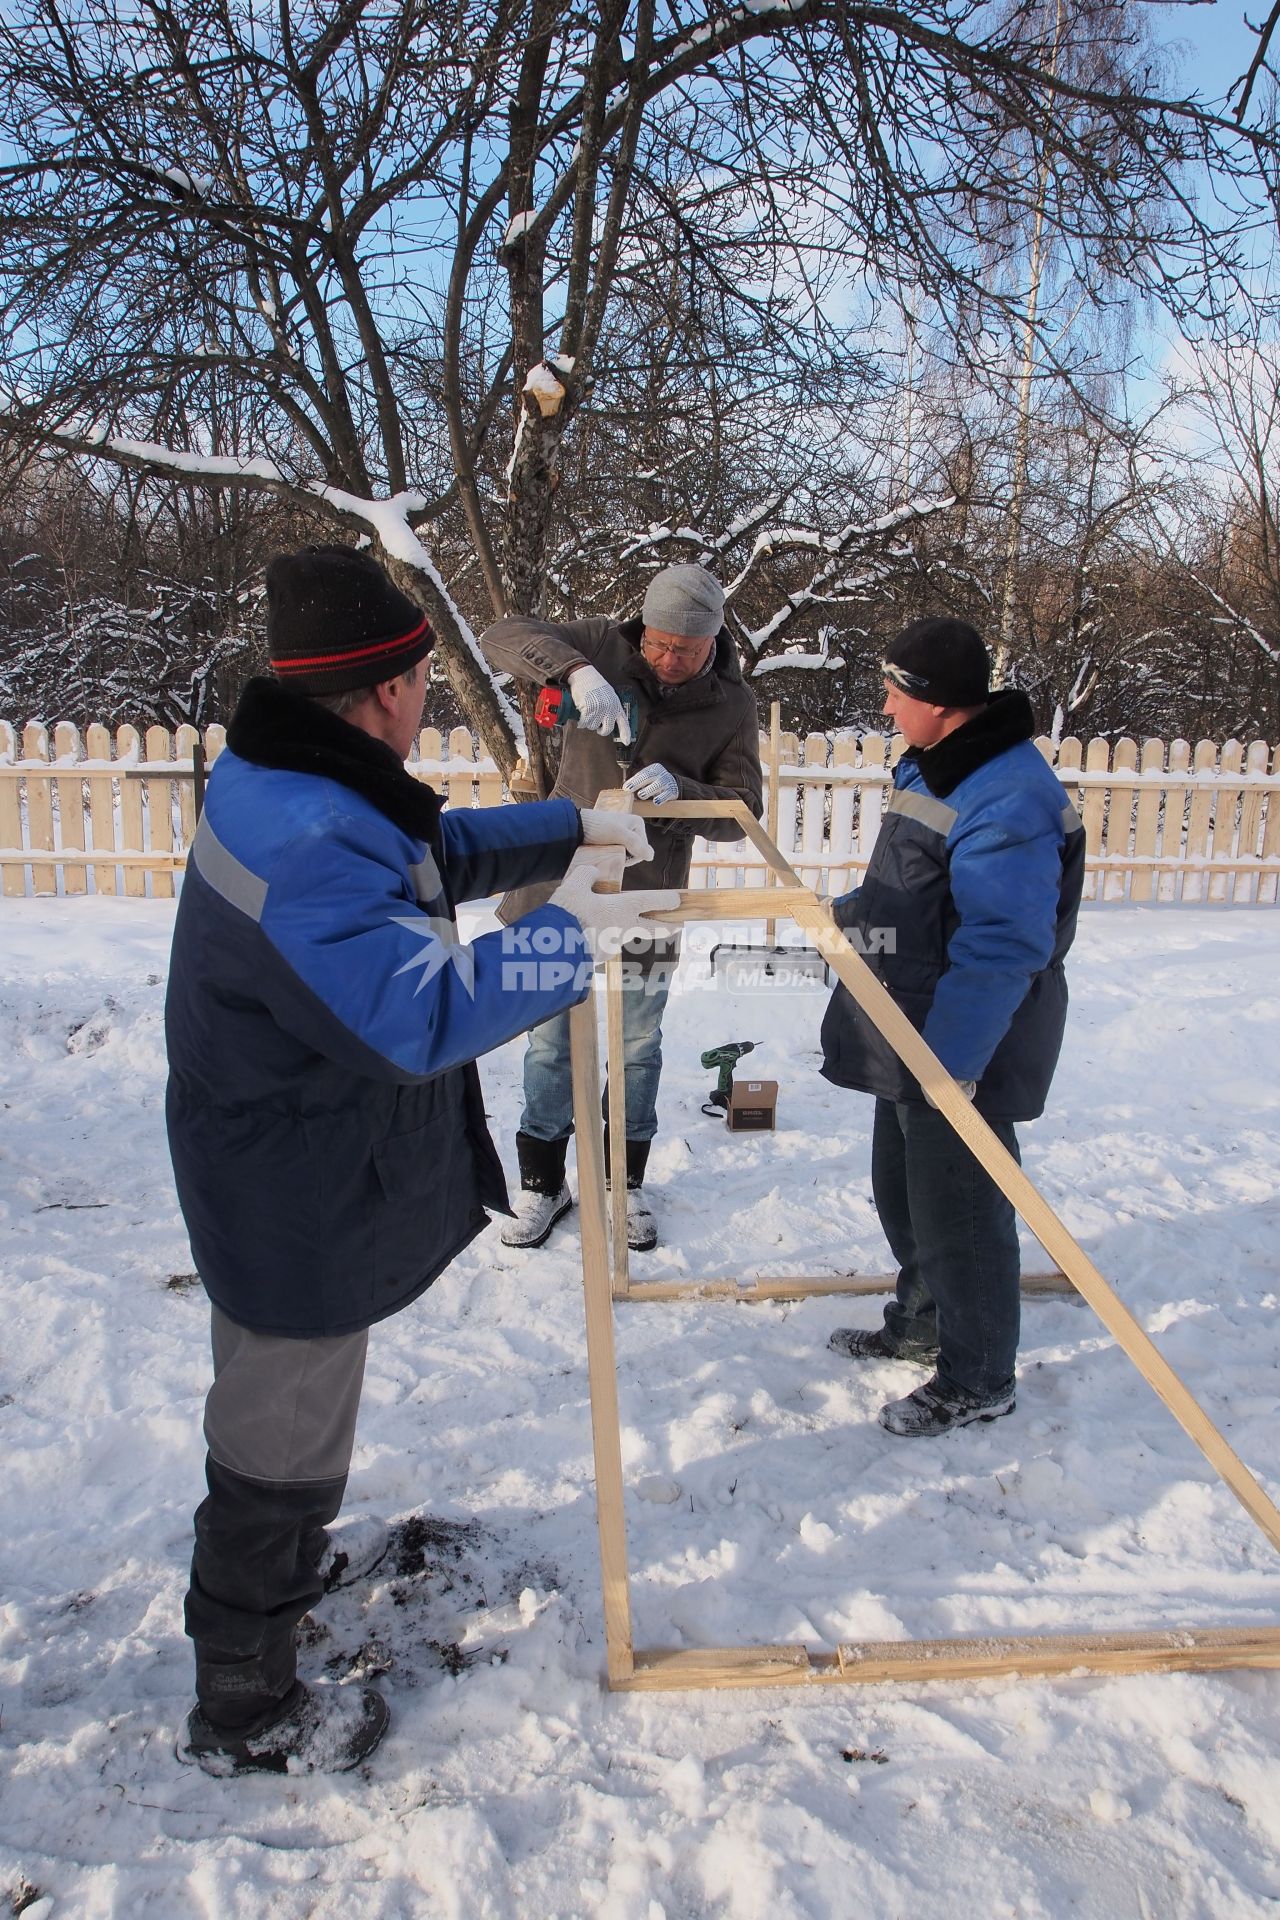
{"x": 325, "y": 1116}
{"x": 965, "y": 915}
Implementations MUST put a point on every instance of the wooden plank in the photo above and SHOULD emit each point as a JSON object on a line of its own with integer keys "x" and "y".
{"x": 1256, "y": 760}
{"x": 1173, "y": 833}
{"x": 1165, "y": 1650}
{"x": 14, "y": 880}
{"x": 813, "y": 812}
{"x": 844, "y": 797}
{"x": 602, "y": 1372}
{"x": 1092, "y": 808}
{"x": 1120, "y": 819}
{"x": 1271, "y": 837}
{"x": 460, "y": 786}
{"x": 35, "y": 748}
{"x": 70, "y": 788}
{"x": 159, "y": 798}
{"x": 732, "y": 903}
{"x": 1053, "y": 1236}
{"x": 616, "y": 800}
{"x": 128, "y": 752}
{"x": 806, "y": 1286}
{"x": 661, "y": 1671}
{"x": 773, "y": 797}
{"x": 102, "y": 808}
{"x": 1146, "y": 827}
{"x": 620, "y": 1256}
{"x": 994, "y": 1657}
{"x": 185, "y": 742}
{"x": 1226, "y": 805}
{"x": 1195, "y": 885}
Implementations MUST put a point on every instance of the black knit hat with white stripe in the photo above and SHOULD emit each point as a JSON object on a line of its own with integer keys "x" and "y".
{"x": 335, "y": 622}
{"x": 943, "y": 662}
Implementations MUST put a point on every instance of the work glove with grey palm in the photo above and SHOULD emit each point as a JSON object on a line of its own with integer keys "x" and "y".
{"x": 654, "y": 784}
{"x": 599, "y": 708}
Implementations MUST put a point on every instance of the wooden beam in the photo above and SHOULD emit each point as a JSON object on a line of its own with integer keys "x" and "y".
{"x": 807, "y": 1286}
{"x": 602, "y": 1367}
{"x": 734, "y": 903}
{"x": 1053, "y": 1236}
{"x": 620, "y": 1256}
{"x": 864, "y": 1663}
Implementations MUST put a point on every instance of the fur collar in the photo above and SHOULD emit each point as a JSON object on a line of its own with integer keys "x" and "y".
{"x": 276, "y": 727}
{"x": 1004, "y": 722}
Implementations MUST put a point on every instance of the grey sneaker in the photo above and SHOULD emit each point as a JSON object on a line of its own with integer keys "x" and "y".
{"x": 353, "y": 1549}
{"x": 935, "y": 1408}
{"x": 535, "y": 1215}
{"x": 872, "y": 1343}
{"x": 312, "y": 1730}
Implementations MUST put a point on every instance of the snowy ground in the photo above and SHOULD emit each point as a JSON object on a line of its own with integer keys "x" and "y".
{"x": 764, "y": 1503}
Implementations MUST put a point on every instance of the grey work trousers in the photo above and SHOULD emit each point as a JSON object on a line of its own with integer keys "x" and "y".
{"x": 279, "y": 1424}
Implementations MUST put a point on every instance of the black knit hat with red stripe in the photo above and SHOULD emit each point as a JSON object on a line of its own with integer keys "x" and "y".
{"x": 335, "y": 622}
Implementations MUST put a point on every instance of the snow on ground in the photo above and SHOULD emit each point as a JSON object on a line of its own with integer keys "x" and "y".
{"x": 764, "y": 1502}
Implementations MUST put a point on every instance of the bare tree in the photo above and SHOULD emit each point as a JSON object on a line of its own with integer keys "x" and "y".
{"x": 371, "y": 257}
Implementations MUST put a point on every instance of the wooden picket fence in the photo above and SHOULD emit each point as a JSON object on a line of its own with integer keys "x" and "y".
{"x": 114, "y": 814}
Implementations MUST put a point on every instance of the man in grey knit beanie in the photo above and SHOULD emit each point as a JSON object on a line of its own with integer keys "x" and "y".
{"x": 697, "y": 738}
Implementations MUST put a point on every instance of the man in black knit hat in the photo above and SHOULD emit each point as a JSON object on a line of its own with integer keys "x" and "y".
{"x": 325, "y": 1115}
{"x": 966, "y": 913}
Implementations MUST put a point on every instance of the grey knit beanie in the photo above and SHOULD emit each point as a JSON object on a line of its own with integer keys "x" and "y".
{"x": 686, "y": 601}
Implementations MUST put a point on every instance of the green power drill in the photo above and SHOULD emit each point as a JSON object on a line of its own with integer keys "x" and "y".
{"x": 725, "y": 1059}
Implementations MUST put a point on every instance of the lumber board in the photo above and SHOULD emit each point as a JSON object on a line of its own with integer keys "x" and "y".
{"x": 602, "y": 1367}
{"x": 993, "y": 1657}
{"x": 620, "y": 1258}
{"x": 1035, "y": 1210}
{"x": 805, "y": 1286}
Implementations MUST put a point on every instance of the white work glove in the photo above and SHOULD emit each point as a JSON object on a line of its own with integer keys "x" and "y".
{"x": 653, "y": 783}
{"x": 608, "y": 919}
{"x": 967, "y": 1087}
{"x": 600, "y": 828}
{"x": 599, "y": 708}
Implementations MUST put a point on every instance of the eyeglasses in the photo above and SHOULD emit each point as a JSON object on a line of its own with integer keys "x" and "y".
{"x": 659, "y": 647}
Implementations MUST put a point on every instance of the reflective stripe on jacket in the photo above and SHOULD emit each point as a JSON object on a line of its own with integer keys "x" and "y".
{"x": 966, "y": 913}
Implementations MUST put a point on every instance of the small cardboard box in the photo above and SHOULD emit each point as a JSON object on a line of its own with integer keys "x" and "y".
{"x": 752, "y": 1106}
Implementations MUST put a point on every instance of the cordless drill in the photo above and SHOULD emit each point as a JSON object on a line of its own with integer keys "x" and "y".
{"x": 555, "y": 707}
{"x": 724, "y": 1058}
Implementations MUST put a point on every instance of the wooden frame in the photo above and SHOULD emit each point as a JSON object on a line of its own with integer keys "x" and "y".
{"x": 1161, "y": 1650}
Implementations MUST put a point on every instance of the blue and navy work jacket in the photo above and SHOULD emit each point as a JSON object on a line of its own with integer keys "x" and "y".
{"x": 965, "y": 915}
{"x": 325, "y": 1117}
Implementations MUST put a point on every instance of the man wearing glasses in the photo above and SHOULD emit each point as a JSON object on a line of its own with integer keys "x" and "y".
{"x": 696, "y": 738}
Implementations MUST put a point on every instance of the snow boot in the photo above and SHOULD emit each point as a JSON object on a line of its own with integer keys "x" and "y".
{"x": 642, "y": 1230}
{"x": 936, "y": 1407}
{"x": 873, "y": 1343}
{"x": 352, "y": 1549}
{"x": 544, "y": 1197}
{"x": 312, "y": 1730}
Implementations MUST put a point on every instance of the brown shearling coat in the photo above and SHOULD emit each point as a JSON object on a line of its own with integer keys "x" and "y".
{"x": 706, "y": 732}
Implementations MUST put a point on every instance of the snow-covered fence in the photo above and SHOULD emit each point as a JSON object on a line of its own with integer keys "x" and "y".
{"x": 115, "y": 813}
{"x": 1162, "y": 822}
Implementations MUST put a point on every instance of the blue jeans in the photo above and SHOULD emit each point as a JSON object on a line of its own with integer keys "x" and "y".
{"x": 548, "y": 1084}
{"x": 955, "y": 1239}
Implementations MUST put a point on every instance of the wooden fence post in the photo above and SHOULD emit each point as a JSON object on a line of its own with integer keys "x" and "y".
{"x": 159, "y": 798}
{"x": 12, "y": 876}
{"x": 35, "y": 746}
{"x": 66, "y": 747}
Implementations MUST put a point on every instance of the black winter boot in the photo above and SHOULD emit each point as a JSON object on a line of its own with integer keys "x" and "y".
{"x": 541, "y": 1163}
{"x": 544, "y": 1197}
{"x": 642, "y": 1230}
